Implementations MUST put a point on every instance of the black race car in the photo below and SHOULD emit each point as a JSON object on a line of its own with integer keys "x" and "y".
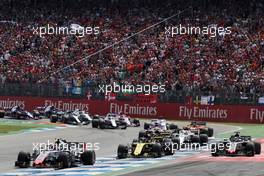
{"x": 236, "y": 145}
{"x": 108, "y": 122}
{"x": 150, "y": 145}
{"x": 59, "y": 156}
{"x": 76, "y": 117}
{"x": 50, "y": 111}
{"x": 17, "y": 112}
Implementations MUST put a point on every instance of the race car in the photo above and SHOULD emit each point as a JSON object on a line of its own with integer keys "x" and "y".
{"x": 18, "y": 112}
{"x": 158, "y": 135}
{"x": 2, "y": 112}
{"x": 108, "y": 122}
{"x": 44, "y": 111}
{"x": 160, "y": 123}
{"x": 76, "y": 117}
{"x": 49, "y": 111}
{"x": 236, "y": 145}
{"x": 149, "y": 146}
{"x": 188, "y": 137}
{"x": 59, "y": 156}
{"x": 157, "y": 132}
{"x": 200, "y": 127}
{"x": 130, "y": 122}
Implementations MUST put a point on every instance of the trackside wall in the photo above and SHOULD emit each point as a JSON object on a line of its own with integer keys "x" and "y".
{"x": 171, "y": 111}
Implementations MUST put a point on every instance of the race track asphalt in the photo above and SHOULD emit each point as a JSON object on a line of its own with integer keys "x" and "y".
{"x": 108, "y": 141}
{"x": 204, "y": 164}
{"x": 205, "y": 168}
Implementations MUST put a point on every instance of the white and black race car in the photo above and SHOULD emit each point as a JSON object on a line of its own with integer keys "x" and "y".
{"x": 236, "y": 145}
{"x": 59, "y": 156}
{"x": 159, "y": 123}
{"x": 130, "y": 122}
{"x": 76, "y": 117}
{"x": 108, "y": 122}
{"x": 17, "y": 112}
{"x": 186, "y": 138}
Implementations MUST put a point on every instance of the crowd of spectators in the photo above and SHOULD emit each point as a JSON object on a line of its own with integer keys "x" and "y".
{"x": 232, "y": 63}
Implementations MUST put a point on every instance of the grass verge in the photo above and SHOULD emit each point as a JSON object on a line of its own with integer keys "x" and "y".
{"x": 254, "y": 130}
{"x": 12, "y": 126}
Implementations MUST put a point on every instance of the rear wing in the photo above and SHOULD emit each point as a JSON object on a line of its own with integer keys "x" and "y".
{"x": 246, "y": 138}
{"x": 198, "y": 123}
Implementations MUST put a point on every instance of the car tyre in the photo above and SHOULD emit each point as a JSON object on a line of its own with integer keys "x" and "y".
{"x": 257, "y": 148}
{"x": 156, "y": 149}
{"x": 122, "y": 151}
{"x": 63, "y": 161}
{"x": 250, "y": 149}
{"x": 210, "y": 132}
{"x": 23, "y": 160}
{"x": 88, "y": 158}
{"x": 203, "y": 139}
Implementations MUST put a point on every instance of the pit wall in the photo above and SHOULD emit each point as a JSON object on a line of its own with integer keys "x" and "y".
{"x": 170, "y": 111}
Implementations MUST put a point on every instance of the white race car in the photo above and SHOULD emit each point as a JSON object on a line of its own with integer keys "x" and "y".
{"x": 76, "y": 117}
{"x": 160, "y": 123}
{"x": 131, "y": 122}
{"x": 188, "y": 137}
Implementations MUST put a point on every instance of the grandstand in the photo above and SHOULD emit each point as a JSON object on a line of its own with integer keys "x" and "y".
{"x": 230, "y": 67}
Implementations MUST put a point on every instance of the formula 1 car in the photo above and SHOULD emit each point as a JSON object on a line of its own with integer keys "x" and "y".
{"x": 200, "y": 127}
{"x": 108, "y": 122}
{"x": 59, "y": 156}
{"x": 160, "y": 123}
{"x": 18, "y": 112}
{"x": 150, "y": 146}
{"x": 236, "y": 145}
{"x": 76, "y": 117}
{"x": 130, "y": 122}
{"x": 44, "y": 111}
{"x": 158, "y": 135}
{"x": 49, "y": 111}
{"x": 187, "y": 138}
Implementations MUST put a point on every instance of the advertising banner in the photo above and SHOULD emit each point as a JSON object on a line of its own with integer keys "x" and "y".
{"x": 170, "y": 111}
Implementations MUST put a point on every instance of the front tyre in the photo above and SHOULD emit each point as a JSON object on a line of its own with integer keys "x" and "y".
{"x": 23, "y": 160}
{"x": 88, "y": 158}
{"x": 122, "y": 151}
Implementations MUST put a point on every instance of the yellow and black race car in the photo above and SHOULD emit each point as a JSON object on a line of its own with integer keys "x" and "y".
{"x": 150, "y": 145}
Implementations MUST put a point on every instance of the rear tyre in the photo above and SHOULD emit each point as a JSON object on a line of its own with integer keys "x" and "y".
{"x": 156, "y": 149}
{"x": 257, "y": 148}
{"x": 146, "y": 126}
{"x": 136, "y": 122}
{"x": 135, "y": 140}
{"x": 53, "y": 119}
{"x": 101, "y": 125}
{"x": 141, "y": 134}
{"x": 95, "y": 123}
{"x": 173, "y": 127}
{"x": 203, "y": 139}
{"x": 122, "y": 151}
{"x": 250, "y": 149}
{"x": 195, "y": 139}
{"x": 210, "y": 132}
{"x": 88, "y": 158}
{"x": 214, "y": 150}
